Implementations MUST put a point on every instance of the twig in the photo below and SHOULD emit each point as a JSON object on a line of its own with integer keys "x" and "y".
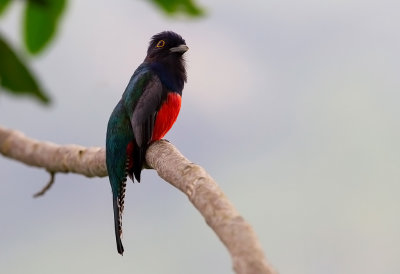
{"x": 47, "y": 186}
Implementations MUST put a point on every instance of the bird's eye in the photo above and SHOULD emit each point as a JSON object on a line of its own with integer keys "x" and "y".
{"x": 160, "y": 44}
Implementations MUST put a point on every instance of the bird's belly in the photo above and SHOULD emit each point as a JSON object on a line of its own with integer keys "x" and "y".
{"x": 167, "y": 115}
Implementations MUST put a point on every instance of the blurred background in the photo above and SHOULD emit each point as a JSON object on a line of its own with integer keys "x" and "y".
{"x": 292, "y": 106}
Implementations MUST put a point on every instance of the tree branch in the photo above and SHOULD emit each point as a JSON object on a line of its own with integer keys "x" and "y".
{"x": 236, "y": 234}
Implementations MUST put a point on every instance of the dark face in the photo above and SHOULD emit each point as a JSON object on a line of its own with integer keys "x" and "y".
{"x": 166, "y": 44}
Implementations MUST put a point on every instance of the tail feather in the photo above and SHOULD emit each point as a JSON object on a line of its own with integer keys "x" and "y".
{"x": 118, "y": 224}
{"x": 139, "y": 155}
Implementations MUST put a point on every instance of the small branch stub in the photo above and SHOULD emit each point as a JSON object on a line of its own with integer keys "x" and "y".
{"x": 47, "y": 186}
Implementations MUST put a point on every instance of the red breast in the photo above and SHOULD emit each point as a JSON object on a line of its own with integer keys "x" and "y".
{"x": 167, "y": 115}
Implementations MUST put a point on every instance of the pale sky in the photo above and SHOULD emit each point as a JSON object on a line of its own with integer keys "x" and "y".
{"x": 292, "y": 106}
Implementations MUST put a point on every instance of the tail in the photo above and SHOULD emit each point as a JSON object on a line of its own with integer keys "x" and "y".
{"x": 118, "y": 225}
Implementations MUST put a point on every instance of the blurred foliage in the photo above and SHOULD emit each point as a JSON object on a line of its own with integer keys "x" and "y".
{"x": 15, "y": 76}
{"x": 40, "y": 24}
{"x": 3, "y": 5}
{"x": 173, "y": 7}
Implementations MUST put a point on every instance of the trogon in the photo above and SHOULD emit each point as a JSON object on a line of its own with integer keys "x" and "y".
{"x": 147, "y": 110}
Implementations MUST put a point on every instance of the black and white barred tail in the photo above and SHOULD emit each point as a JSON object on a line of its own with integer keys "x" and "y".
{"x": 118, "y": 203}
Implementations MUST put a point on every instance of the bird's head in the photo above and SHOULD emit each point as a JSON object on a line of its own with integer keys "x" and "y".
{"x": 166, "y": 46}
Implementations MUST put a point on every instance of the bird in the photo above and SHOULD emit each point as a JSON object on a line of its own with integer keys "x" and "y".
{"x": 146, "y": 111}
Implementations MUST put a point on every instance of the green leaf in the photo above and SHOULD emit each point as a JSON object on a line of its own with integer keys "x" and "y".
{"x": 40, "y": 22}
{"x": 15, "y": 76}
{"x": 173, "y": 7}
{"x": 3, "y": 5}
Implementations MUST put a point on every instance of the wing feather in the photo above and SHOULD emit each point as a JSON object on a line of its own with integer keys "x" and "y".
{"x": 145, "y": 112}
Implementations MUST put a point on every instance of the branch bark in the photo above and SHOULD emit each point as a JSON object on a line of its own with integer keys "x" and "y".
{"x": 236, "y": 234}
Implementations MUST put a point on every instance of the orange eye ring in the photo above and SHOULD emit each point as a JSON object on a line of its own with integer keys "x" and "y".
{"x": 160, "y": 44}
